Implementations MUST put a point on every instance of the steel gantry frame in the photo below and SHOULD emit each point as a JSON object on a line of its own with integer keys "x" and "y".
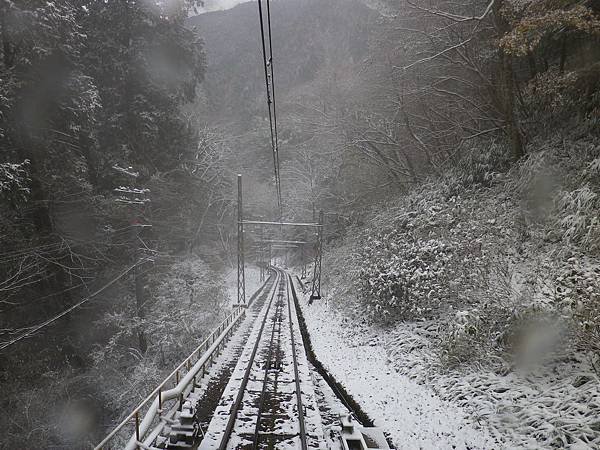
{"x": 316, "y": 286}
{"x": 241, "y": 281}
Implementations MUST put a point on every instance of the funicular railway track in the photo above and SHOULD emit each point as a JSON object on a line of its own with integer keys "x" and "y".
{"x": 267, "y": 399}
{"x": 267, "y": 405}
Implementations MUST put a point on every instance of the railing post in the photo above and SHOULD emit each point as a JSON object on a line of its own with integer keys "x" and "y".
{"x": 303, "y": 263}
{"x": 137, "y": 428}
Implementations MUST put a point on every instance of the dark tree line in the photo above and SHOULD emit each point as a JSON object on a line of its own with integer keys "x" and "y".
{"x": 86, "y": 88}
{"x": 105, "y": 173}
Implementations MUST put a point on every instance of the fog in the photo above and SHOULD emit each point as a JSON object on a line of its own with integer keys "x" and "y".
{"x": 433, "y": 172}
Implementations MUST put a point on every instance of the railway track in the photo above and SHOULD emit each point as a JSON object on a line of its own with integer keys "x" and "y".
{"x": 269, "y": 401}
{"x": 261, "y": 393}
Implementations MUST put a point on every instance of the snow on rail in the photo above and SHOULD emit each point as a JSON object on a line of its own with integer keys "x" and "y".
{"x": 271, "y": 390}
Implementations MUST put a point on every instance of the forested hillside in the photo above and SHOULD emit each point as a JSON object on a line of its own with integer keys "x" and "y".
{"x": 104, "y": 184}
{"x": 318, "y": 45}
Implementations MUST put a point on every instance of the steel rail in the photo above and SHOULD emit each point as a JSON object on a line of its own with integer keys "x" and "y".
{"x": 295, "y": 224}
{"x": 261, "y": 402}
{"x": 282, "y": 285}
{"x": 240, "y": 396}
{"x": 281, "y": 241}
{"x": 303, "y": 442}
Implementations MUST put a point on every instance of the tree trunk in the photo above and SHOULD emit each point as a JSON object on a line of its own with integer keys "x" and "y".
{"x": 507, "y": 87}
{"x": 139, "y": 303}
{"x": 8, "y": 53}
{"x": 512, "y": 126}
{"x": 563, "y": 53}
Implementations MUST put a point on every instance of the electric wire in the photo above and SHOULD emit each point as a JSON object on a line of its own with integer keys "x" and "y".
{"x": 274, "y": 106}
{"x": 34, "y": 329}
{"x": 270, "y": 87}
{"x": 39, "y": 299}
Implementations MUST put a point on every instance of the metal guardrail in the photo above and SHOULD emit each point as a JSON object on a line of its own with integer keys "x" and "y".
{"x": 160, "y": 406}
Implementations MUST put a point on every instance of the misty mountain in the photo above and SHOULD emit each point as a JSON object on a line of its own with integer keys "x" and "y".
{"x": 306, "y": 33}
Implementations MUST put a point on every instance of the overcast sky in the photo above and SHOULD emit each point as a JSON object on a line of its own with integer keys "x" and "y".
{"x": 214, "y": 5}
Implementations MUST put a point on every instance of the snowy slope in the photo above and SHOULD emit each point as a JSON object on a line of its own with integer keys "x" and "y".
{"x": 413, "y": 415}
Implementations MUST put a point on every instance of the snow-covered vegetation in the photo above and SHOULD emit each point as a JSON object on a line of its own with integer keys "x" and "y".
{"x": 490, "y": 289}
{"x": 71, "y": 398}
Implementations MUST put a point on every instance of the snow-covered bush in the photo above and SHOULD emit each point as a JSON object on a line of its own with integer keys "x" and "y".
{"x": 340, "y": 275}
{"x": 578, "y": 295}
{"x": 481, "y": 165}
{"x": 404, "y": 279}
{"x": 500, "y": 334}
{"x": 184, "y": 305}
{"x": 558, "y": 190}
{"x": 431, "y": 252}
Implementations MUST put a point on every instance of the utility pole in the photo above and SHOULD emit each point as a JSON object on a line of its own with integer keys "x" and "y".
{"x": 140, "y": 297}
{"x": 261, "y": 262}
{"x": 136, "y": 198}
{"x": 241, "y": 279}
{"x": 316, "y": 287}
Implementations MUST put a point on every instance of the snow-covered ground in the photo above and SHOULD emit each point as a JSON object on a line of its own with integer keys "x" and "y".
{"x": 552, "y": 405}
{"x": 411, "y": 413}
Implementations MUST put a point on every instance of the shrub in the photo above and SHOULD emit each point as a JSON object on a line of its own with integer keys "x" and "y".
{"x": 496, "y": 332}
{"x": 578, "y": 294}
{"x": 431, "y": 252}
{"x": 404, "y": 279}
{"x": 481, "y": 165}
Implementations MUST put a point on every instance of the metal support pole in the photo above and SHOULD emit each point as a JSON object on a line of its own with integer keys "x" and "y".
{"x": 240, "y": 266}
{"x": 262, "y": 256}
{"x": 137, "y": 428}
{"x": 303, "y": 261}
{"x": 316, "y": 287}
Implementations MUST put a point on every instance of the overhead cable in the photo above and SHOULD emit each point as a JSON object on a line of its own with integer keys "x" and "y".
{"x": 270, "y": 87}
{"x": 34, "y": 329}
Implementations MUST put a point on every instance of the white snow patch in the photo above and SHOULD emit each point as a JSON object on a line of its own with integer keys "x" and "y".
{"x": 413, "y": 415}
